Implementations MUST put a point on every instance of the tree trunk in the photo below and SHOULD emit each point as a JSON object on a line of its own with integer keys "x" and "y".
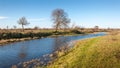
{"x": 22, "y": 28}
{"x": 56, "y": 29}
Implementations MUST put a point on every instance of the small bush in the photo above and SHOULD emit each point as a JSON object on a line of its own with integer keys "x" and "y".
{"x": 76, "y": 31}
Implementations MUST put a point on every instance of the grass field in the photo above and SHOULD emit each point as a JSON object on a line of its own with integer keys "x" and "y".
{"x": 100, "y": 52}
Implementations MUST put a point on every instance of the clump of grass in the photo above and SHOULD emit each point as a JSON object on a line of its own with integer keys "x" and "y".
{"x": 100, "y": 52}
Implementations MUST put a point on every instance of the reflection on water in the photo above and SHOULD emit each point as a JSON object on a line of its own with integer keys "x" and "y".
{"x": 24, "y": 51}
{"x": 60, "y": 41}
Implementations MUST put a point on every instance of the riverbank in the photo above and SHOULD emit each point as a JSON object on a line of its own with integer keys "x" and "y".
{"x": 8, "y": 41}
{"x": 9, "y": 37}
{"x": 15, "y": 35}
{"x": 100, "y": 52}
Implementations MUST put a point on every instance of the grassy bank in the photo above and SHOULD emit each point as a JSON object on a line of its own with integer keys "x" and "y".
{"x": 9, "y": 37}
{"x": 100, "y": 52}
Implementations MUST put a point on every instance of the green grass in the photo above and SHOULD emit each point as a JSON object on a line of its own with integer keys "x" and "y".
{"x": 100, "y": 52}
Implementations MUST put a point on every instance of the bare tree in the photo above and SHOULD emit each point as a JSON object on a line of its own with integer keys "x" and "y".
{"x": 96, "y": 28}
{"x": 14, "y": 27}
{"x": 23, "y": 21}
{"x": 7, "y": 27}
{"x": 73, "y": 26}
{"x": 36, "y": 27}
{"x": 60, "y": 19}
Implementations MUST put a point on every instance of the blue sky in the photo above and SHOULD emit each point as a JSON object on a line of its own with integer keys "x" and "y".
{"x": 86, "y": 13}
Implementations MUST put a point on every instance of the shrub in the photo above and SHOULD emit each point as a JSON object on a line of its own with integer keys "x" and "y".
{"x": 76, "y": 31}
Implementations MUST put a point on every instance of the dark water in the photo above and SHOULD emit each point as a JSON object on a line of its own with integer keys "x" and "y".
{"x": 24, "y": 51}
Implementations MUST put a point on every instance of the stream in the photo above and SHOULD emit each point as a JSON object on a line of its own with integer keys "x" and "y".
{"x": 17, "y": 52}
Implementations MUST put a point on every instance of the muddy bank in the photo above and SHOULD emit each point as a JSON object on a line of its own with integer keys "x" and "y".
{"x": 8, "y": 41}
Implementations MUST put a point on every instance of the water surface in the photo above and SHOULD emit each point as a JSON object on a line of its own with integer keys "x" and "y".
{"x": 24, "y": 51}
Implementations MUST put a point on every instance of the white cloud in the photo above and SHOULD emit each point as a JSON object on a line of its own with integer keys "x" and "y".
{"x": 2, "y": 17}
{"x": 38, "y": 19}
